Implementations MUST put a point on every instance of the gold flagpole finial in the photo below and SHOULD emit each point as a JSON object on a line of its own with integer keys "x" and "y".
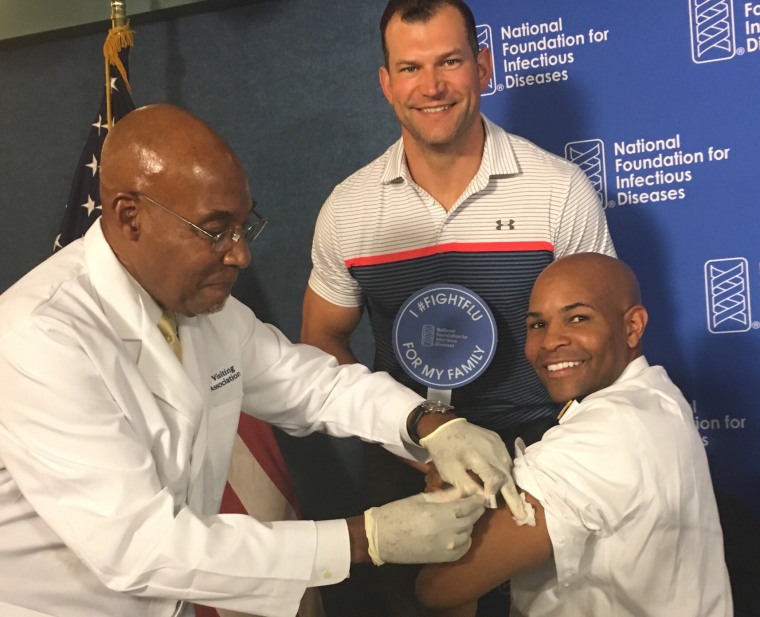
{"x": 118, "y": 13}
{"x": 119, "y": 37}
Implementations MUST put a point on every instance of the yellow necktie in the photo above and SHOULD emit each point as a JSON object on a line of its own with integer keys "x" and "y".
{"x": 168, "y": 326}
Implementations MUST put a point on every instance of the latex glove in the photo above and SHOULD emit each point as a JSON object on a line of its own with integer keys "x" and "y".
{"x": 457, "y": 446}
{"x": 423, "y": 528}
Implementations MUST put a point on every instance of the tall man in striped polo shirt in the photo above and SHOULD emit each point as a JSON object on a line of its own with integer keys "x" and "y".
{"x": 456, "y": 200}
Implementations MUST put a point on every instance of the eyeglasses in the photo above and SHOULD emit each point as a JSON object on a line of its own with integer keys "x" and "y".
{"x": 225, "y": 240}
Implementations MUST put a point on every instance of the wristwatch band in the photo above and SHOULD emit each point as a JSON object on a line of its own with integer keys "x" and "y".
{"x": 424, "y": 408}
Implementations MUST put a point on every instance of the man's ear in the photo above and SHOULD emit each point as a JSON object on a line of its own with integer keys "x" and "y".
{"x": 125, "y": 215}
{"x": 485, "y": 67}
{"x": 636, "y": 319}
{"x": 385, "y": 83}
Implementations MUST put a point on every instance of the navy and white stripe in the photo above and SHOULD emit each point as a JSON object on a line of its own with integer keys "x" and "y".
{"x": 380, "y": 237}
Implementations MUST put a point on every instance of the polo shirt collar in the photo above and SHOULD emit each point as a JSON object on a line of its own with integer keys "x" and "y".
{"x": 499, "y": 157}
{"x": 498, "y": 151}
{"x": 396, "y": 168}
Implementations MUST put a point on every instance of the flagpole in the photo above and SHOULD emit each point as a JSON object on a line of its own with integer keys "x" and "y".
{"x": 119, "y": 38}
{"x": 118, "y": 13}
{"x": 83, "y": 205}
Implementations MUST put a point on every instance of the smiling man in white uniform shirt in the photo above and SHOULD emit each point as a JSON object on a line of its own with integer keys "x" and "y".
{"x": 115, "y": 447}
{"x": 626, "y": 520}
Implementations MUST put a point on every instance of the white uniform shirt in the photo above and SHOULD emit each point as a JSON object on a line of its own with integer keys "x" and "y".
{"x": 114, "y": 455}
{"x": 629, "y": 507}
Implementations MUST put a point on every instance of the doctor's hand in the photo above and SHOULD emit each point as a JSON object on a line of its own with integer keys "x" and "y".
{"x": 423, "y": 528}
{"x": 458, "y": 446}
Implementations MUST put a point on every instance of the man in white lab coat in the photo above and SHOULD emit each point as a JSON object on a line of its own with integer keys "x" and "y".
{"x": 115, "y": 436}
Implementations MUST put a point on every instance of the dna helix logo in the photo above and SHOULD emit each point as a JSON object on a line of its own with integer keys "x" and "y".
{"x": 589, "y": 156}
{"x": 712, "y": 30}
{"x": 485, "y": 39}
{"x": 428, "y": 335}
{"x": 727, "y": 295}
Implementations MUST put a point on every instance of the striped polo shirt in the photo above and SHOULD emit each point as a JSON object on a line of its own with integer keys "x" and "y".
{"x": 380, "y": 237}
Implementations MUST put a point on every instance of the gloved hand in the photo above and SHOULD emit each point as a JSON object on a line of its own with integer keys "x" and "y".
{"x": 423, "y": 528}
{"x": 457, "y": 446}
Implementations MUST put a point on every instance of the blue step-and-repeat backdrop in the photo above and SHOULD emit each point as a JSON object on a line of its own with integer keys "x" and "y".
{"x": 659, "y": 102}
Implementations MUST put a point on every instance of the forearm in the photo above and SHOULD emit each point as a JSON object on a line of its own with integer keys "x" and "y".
{"x": 357, "y": 537}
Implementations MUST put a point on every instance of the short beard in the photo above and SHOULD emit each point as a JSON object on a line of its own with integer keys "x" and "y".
{"x": 215, "y": 308}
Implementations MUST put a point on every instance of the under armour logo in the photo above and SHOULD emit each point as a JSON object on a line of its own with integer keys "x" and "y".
{"x": 510, "y": 224}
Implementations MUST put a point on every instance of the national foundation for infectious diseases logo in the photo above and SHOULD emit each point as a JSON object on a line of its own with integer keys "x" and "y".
{"x": 712, "y": 30}
{"x": 485, "y": 39}
{"x": 589, "y": 156}
{"x": 727, "y": 295}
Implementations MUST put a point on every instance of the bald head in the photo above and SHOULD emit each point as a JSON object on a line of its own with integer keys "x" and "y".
{"x": 162, "y": 145}
{"x": 611, "y": 277}
{"x": 161, "y": 164}
{"x": 585, "y": 322}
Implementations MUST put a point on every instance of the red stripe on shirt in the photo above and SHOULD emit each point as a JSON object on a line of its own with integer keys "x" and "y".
{"x": 451, "y": 247}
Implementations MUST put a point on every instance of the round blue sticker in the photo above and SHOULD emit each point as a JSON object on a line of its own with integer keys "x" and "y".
{"x": 444, "y": 336}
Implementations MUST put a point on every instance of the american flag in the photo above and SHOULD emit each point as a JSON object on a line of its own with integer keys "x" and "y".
{"x": 83, "y": 206}
{"x": 258, "y": 484}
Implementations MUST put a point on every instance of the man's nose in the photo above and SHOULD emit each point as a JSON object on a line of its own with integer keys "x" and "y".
{"x": 432, "y": 84}
{"x": 555, "y": 335}
{"x": 239, "y": 255}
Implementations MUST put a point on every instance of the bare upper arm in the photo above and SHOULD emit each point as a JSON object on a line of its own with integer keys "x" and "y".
{"x": 329, "y": 326}
{"x": 500, "y": 549}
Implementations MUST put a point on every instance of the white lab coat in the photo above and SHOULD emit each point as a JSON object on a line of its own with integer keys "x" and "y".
{"x": 113, "y": 455}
